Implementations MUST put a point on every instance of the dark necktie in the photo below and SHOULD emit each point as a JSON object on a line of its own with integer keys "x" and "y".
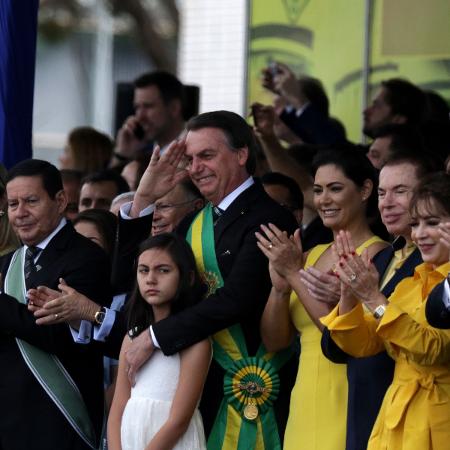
{"x": 29, "y": 266}
{"x": 216, "y": 213}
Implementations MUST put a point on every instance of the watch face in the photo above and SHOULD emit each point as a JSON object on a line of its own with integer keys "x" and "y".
{"x": 379, "y": 311}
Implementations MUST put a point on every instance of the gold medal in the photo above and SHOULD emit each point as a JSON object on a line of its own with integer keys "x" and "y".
{"x": 251, "y": 411}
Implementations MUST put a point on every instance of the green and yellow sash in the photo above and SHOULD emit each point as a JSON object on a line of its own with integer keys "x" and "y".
{"x": 47, "y": 368}
{"x": 246, "y": 419}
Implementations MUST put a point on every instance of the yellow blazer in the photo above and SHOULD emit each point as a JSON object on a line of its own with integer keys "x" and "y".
{"x": 415, "y": 413}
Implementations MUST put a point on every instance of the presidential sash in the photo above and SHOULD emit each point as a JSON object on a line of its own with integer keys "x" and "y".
{"x": 246, "y": 419}
{"x": 47, "y": 368}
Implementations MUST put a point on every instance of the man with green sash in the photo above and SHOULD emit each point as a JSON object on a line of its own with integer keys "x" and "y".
{"x": 245, "y": 396}
{"x": 51, "y": 388}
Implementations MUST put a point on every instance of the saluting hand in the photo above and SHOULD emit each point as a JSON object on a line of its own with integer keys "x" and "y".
{"x": 163, "y": 173}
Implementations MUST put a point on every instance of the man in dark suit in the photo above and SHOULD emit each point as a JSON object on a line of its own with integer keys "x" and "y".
{"x": 43, "y": 370}
{"x": 438, "y": 303}
{"x": 438, "y": 306}
{"x": 369, "y": 378}
{"x": 219, "y": 148}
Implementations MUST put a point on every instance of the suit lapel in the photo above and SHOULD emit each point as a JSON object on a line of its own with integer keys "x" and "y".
{"x": 383, "y": 259}
{"x": 406, "y": 270}
{"x": 50, "y": 255}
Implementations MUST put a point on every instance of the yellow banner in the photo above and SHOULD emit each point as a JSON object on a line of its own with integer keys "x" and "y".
{"x": 325, "y": 39}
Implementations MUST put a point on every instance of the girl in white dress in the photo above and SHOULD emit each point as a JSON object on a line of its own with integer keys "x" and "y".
{"x": 160, "y": 411}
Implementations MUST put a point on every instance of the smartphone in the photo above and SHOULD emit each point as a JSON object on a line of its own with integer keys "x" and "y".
{"x": 139, "y": 132}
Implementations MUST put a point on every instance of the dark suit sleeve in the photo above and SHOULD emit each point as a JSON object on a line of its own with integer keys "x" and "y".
{"x": 331, "y": 350}
{"x": 113, "y": 342}
{"x": 84, "y": 268}
{"x": 245, "y": 291}
{"x": 130, "y": 234}
{"x": 312, "y": 126}
{"x": 437, "y": 314}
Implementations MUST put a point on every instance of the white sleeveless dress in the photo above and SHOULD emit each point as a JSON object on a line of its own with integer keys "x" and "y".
{"x": 149, "y": 405}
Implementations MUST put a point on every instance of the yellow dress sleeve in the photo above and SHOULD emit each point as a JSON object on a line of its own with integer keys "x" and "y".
{"x": 354, "y": 332}
{"x": 405, "y": 329}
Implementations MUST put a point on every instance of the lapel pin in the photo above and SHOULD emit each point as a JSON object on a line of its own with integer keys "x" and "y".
{"x": 38, "y": 267}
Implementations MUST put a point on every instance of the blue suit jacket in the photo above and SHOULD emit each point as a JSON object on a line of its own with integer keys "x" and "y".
{"x": 368, "y": 378}
{"x": 313, "y": 127}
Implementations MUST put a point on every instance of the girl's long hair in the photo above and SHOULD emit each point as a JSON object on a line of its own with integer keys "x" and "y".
{"x": 190, "y": 288}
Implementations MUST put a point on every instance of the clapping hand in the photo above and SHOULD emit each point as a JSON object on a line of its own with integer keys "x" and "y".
{"x": 323, "y": 287}
{"x": 444, "y": 230}
{"x": 38, "y": 297}
{"x": 68, "y": 305}
{"x": 356, "y": 272}
{"x": 284, "y": 253}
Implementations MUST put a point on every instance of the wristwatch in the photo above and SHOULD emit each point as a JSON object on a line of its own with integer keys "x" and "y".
{"x": 379, "y": 311}
{"x": 99, "y": 316}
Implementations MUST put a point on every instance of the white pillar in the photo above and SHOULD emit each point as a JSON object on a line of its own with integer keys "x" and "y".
{"x": 102, "y": 86}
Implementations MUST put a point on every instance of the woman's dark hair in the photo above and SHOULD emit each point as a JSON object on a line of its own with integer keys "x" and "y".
{"x": 355, "y": 165}
{"x": 433, "y": 187}
{"x": 106, "y": 223}
{"x": 190, "y": 288}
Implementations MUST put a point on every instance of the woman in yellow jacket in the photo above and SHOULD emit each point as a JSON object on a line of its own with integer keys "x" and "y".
{"x": 416, "y": 409}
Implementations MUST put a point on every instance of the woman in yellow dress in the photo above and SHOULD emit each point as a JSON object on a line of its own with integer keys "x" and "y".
{"x": 344, "y": 192}
{"x": 415, "y": 413}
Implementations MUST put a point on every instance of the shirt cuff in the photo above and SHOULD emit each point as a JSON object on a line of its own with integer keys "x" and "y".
{"x": 348, "y": 321}
{"x": 83, "y": 335}
{"x": 126, "y": 208}
{"x": 101, "y": 332}
{"x": 152, "y": 335}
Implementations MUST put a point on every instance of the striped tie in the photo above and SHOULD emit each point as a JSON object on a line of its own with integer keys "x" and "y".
{"x": 216, "y": 213}
{"x": 29, "y": 266}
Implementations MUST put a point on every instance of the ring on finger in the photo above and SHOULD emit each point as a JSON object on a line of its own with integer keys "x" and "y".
{"x": 352, "y": 277}
{"x": 270, "y": 246}
{"x": 56, "y": 316}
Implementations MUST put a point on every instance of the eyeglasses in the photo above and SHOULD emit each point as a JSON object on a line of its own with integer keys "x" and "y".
{"x": 161, "y": 207}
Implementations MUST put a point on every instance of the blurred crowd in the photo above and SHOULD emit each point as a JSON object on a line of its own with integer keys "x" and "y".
{"x": 324, "y": 301}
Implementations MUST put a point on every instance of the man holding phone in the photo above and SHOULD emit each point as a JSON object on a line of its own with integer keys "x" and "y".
{"x": 158, "y": 118}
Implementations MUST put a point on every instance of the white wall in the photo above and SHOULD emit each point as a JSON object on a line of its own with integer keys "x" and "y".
{"x": 212, "y": 51}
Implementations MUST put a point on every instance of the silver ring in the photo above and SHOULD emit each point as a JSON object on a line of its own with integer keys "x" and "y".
{"x": 352, "y": 277}
{"x": 56, "y": 316}
{"x": 270, "y": 246}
